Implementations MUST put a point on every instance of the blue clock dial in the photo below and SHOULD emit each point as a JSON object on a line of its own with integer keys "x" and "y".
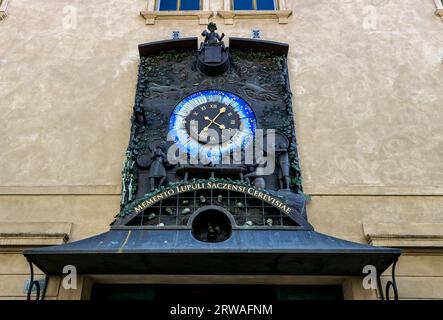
{"x": 212, "y": 123}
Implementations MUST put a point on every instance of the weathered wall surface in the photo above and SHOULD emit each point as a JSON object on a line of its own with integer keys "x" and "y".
{"x": 367, "y": 102}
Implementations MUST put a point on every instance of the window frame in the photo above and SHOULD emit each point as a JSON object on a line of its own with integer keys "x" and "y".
{"x": 281, "y": 13}
{"x": 3, "y": 9}
{"x": 157, "y": 6}
{"x": 254, "y": 6}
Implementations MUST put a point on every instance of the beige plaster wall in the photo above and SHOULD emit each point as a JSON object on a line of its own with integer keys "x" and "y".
{"x": 367, "y": 103}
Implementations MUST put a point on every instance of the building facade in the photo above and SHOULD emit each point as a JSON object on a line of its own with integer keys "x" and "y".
{"x": 366, "y": 89}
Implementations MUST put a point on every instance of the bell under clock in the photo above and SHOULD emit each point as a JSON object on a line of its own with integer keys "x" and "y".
{"x": 212, "y": 123}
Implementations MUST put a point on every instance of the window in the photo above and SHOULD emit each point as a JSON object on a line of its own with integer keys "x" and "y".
{"x": 182, "y": 5}
{"x": 177, "y": 9}
{"x": 254, "y": 4}
{"x": 261, "y": 9}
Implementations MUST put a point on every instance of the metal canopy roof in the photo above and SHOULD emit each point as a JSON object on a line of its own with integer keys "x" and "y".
{"x": 246, "y": 252}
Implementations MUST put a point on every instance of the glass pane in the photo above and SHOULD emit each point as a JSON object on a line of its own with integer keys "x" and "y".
{"x": 265, "y": 4}
{"x": 190, "y": 5}
{"x": 243, "y": 5}
{"x": 166, "y": 5}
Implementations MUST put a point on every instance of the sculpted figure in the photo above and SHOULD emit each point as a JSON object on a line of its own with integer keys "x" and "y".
{"x": 257, "y": 174}
{"x": 157, "y": 171}
{"x": 213, "y": 56}
{"x": 283, "y": 166}
{"x": 212, "y": 38}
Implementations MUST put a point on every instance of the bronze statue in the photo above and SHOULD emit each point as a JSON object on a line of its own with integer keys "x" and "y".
{"x": 213, "y": 56}
{"x": 283, "y": 165}
{"x": 212, "y": 38}
{"x": 157, "y": 171}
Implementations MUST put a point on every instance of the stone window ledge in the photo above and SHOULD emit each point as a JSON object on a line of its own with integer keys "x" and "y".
{"x": 230, "y": 15}
{"x": 439, "y": 8}
{"x": 152, "y": 16}
{"x": 34, "y": 233}
{"x": 3, "y": 9}
{"x": 404, "y": 235}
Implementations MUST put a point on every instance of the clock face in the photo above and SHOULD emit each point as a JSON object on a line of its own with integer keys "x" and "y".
{"x": 212, "y": 123}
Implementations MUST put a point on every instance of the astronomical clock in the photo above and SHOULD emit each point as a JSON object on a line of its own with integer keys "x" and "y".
{"x": 211, "y": 182}
{"x": 219, "y": 123}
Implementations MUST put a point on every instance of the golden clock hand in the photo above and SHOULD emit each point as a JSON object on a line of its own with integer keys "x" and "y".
{"x": 222, "y": 110}
{"x": 221, "y": 126}
{"x": 207, "y": 127}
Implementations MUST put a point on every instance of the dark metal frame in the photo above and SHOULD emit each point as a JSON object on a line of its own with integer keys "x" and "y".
{"x": 35, "y": 283}
{"x": 389, "y": 284}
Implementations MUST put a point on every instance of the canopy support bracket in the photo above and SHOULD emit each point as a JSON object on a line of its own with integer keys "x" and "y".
{"x": 35, "y": 283}
{"x": 390, "y": 284}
